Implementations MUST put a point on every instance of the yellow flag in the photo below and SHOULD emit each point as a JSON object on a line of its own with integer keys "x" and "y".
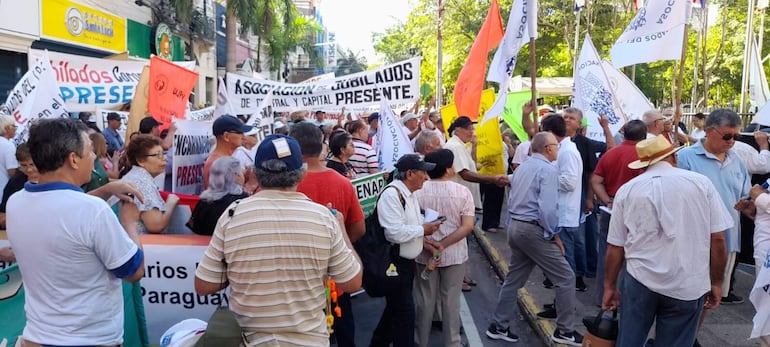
{"x": 489, "y": 152}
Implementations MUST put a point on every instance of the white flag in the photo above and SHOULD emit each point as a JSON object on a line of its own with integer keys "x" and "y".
{"x": 760, "y": 297}
{"x": 593, "y": 93}
{"x": 758, "y": 89}
{"x": 223, "y": 101}
{"x": 263, "y": 116}
{"x": 633, "y": 103}
{"x": 655, "y": 33}
{"x": 762, "y": 116}
{"x": 35, "y": 96}
{"x": 522, "y": 25}
{"x": 392, "y": 140}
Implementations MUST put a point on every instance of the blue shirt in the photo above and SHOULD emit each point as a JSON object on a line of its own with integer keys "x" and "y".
{"x": 114, "y": 141}
{"x": 730, "y": 178}
{"x": 535, "y": 193}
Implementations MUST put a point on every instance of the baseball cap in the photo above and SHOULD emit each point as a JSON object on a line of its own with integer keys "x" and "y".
{"x": 228, "y": 123}
{"x": 407, "y": 117}
{"x": 92, "y": 119}
{"x": 281, "y": 147}
{"x": 278, "y": 125}
{"x": 373, "y": 117}
{"x": 147, "y": 123}
{"x": 413, "y": 162}
{"x": 113, "y": 116}
{"x": 254, "y": 131}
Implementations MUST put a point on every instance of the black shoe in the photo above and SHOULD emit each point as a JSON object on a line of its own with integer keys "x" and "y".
{"x": 548, "y": 306}
{"x": 732, "y": 299}
{"x": 571, "y": 339}
{"x": 547, "y": 314}
{"x": 696, "y": 343}
{"x": 580, "y": 285}
{"x": 496, "y": 332}
{"x": 547, "y": 283}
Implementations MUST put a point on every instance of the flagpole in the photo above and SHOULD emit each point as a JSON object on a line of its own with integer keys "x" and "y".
{"x": 533, "y": 79}
{"x": 439, "y": 58}
{"x": 695, "y": 66}
{"x": 680, "y": 78}
{"x": 761, "y": 32}
{"x": 577, "y": 41}
{"x": 746, "y": 52}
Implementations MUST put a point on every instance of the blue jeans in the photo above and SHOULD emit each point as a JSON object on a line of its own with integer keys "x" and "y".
{"x": 676, "y": 320}
{"x": 591, "y": 230}
{"x": 603, "y": 220}
{"x": 574, "y": 240}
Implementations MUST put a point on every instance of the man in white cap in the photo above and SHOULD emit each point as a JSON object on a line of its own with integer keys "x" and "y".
{"x": 674, "y": 249}
{"x": 245, "y": 155}
{"x": 411, "y": 123}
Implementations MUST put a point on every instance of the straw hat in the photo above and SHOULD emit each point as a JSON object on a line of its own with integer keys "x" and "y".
{"x": 651, "y": 151}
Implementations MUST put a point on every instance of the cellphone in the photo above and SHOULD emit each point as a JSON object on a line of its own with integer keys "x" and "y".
{"x": 440, "y": 219}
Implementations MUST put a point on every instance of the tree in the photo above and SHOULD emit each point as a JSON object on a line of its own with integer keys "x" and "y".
{"x": 291, "y": 31}
{"x": 237, "y": 11}
{"x": 350, "y": 63}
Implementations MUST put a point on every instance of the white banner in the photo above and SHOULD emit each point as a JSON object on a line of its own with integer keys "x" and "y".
{"x": 522, "y": 25}
{"x": 392, "y": 139}
{"x": 395, "y": 83}
{"x": 593, "y": 94}
{"x": 655, "y": 33}
{"x": 758, "y": 89}
{"x": 35, "y": 96}
{"x": 223, "y": 101}
{"x": 202, "y": 115}
{"x": 101, "y": 121}
{"x": 191, "y": 148}
{"x": 633, "y": 103}
{"x": 88, "y": 84}
{"x": 760, "y": 298}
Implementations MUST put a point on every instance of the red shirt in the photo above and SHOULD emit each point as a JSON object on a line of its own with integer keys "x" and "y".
{"x": 331, "y": 187}
{"x": 613, "y": 166}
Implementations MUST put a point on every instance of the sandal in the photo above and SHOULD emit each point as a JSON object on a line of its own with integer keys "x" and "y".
{"x": 466, "y": 287}
{"x": 469, "y": 282}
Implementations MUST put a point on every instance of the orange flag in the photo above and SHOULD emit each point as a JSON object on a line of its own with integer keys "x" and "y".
{"x": 169, "y": 91}
{"x": 471, "y": 79}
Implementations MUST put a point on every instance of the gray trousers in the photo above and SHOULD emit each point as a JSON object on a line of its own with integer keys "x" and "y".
{"x": 443, "y": 285}
{"x": 529, "y": 248}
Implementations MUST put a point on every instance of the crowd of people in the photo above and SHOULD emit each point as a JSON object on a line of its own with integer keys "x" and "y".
{"x": 652, "y": 212}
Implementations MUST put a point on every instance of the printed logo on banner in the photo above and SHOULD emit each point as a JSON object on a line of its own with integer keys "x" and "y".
{"x": 639, "y": 21}
{"x": 601, "y": 98}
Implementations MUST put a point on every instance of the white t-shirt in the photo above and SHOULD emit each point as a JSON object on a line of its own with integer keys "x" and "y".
{"x": 245, "y": 156}
{"x": 7, "y": 161}
{"x": 66, "y": 242}
{"x": 464, "y": 161}
{"x": 522, "y": 152}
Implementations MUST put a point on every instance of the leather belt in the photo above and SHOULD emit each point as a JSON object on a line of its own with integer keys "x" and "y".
{"x": 535, "y": 223}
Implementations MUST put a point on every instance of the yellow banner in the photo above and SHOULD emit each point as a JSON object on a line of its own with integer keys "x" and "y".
{"x": 70, "y": 22}
{"x": 489, "y": 152}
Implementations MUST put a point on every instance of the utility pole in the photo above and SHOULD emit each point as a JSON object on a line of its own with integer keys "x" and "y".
{"x": 439, "y": 57}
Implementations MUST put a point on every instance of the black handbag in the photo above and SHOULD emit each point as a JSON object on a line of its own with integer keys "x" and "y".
{"x": 601, "y": 326}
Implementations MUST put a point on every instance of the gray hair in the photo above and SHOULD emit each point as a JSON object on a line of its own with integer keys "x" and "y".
{"x": 574, "y": 110}
{"x": 274, "y": 173}
{"x": 400, "y": 175}
{"x": 651, "y": 116}
{"x": 723, "y": 117}
{"x": 540, "y": 142}
{"x": 424, "y": 139}
{"x": 222, "y": 179}
{"x": 5, "y": 121}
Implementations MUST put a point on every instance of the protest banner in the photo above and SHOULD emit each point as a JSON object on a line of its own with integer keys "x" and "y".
{"x": 522, "y": 25}
{"x": 201, "y": 115}
{"x": 191, "y": 148}
{"x": 35, "y": 96}
{"x": 396, "y": 83}
{"x": 169, "y": 92}
{"x": 367, "y": 189}
{"x": 512, "y": 112}
{"x": 392, "y": 139}
{"x": 655, "y": 33}
{"x": 449, "y": 111}
{"x": 489, "y": 150}
{"x": 87, "y": 84}
{"x": 223, "y": 101}
{"x": 631, "y": 100}
{"x": 593, "y": 94}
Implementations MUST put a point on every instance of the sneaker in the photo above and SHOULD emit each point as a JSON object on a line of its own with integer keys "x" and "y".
{"x": 549, "y": 313}
{"x": 548, "y": 306}
{"x": 570, "y": 339}
{"x": 580, "y": 285}
{"x": 497, "y": 332}
{"x": 547, "y": 283}
{"x": 732, "y": 299}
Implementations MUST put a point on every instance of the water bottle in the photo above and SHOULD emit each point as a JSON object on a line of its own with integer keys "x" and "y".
{"x": 430, "y": 266}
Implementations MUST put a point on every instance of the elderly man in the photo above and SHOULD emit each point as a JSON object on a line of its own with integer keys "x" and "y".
{"x": 111, "y": 135}
{"x": 298, "y": 243}
{"x": 654, "y": 121}
{"x": 426, "y": 142}
{"x": 610, "y": 174}
{"x": 714, "y": 158}
{"x": 399, "y": 214}
{"x": 229, "y": 132}
{"x": 534, "y": 238}
{"x": 149, "y": 125}
{"x": 56, "y": 219}
{"x": 674, "y": 249}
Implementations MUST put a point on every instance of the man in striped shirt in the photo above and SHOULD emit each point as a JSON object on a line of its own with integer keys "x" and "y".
{"x": 364, "y": 160}
{"x": 278, "y": 247}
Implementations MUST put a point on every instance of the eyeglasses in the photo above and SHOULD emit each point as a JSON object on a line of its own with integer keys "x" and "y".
{"x": 159, "y": 155}
{"x": 727, "y": 137}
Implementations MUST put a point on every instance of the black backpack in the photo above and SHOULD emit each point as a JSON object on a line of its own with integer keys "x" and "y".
{"x": 378, "y": 255}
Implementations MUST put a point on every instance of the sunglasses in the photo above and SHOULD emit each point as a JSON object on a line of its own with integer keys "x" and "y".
{"x": 727, "y": 137}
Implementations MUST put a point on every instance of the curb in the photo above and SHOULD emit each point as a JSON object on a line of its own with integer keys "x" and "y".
{"x": 529, "y": 309}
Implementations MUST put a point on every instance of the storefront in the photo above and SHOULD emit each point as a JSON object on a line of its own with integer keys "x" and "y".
{"x": 70, "y": 27}
{"x": 19, "y": 27}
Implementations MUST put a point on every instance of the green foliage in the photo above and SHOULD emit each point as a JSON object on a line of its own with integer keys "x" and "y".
{"x": 554, "y": 48}
{"x": 350, "y": 63}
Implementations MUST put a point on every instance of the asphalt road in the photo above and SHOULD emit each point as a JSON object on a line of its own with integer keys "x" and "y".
{"x": 477, "y": 308}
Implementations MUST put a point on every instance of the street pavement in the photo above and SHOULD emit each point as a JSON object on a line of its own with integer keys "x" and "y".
{"x": 477, "y": 308}
{"x": 728, "y": 325}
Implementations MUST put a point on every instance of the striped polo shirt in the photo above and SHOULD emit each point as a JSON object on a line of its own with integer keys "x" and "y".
{"x": 364, "y": 158}
{"x": 278, "y": 247}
